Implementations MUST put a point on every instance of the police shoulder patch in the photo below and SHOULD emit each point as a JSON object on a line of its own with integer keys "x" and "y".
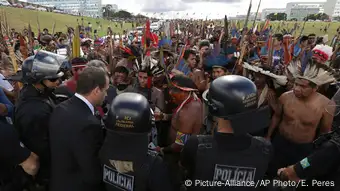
{"x": 304, "y": 163}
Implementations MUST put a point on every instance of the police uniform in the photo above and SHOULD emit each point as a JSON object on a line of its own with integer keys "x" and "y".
{"x": 127, "y": 164}
{"x": 12, "y": 154}
{"x": 323, "y": 164}
{"x": 34, "y": 106}
{"x": 237, "y": 159}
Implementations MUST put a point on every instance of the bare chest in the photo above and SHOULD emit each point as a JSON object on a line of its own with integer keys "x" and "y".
{"x": 306, "y": 113}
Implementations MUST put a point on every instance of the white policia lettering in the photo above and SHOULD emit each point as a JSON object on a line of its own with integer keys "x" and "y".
{"x": 119, "y": 180}
{"x": 234, "y": 173}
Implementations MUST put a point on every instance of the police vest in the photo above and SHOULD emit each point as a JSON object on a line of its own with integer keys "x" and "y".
{"x": 49, "y": 101}
{"x": 232, "y": 168}
{"x": 129, "y": 175}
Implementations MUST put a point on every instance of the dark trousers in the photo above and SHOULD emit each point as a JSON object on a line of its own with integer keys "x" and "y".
{"x": 287, "y": 153}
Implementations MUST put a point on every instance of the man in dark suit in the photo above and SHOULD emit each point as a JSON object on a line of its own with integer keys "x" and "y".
{"x": 76, "y": 135}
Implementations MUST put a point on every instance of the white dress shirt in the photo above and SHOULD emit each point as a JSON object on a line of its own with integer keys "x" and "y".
{"x": 86, "y": 101}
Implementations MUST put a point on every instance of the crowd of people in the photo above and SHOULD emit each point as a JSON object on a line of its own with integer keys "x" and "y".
{"x": 228, "y": 105}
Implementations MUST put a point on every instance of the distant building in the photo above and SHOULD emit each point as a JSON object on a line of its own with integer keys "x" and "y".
{"x": 90, "y": 8}
{"x": 299, "y": 10}
{"x": 266, "y": 12}
{"x": 332, "y": 8}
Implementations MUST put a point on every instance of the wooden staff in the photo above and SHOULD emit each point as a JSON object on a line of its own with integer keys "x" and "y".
{"x": 258, "y": 8}
{"x": 271, "y": 51}
{"x": 30, "y": 42}
{"x": 243, "y": 49}
{"x": 38, "y": 24}
{"x": 23, "y": 45}
{"x": 303, "y": 27}
{"x": 3, "y": 29}
{"x": 6, "y": 24}
{"x": 226, "y": 33}
{"x": 112, "y": 65}
{"x": 161, "y": 61}
{"x": 53, "y": 28}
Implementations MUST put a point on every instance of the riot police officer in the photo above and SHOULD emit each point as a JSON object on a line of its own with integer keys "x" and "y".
{"x": 40, "y": 74}
{"x": 231, "y": 155}
{"x": 127, "y": 164}
{"x": 320, "y": 170}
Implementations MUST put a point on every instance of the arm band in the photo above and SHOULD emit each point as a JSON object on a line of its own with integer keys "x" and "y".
{"x": 181, "y": 138}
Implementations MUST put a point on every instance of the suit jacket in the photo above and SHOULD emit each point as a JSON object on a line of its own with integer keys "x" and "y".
{"x": 76, "y": 137}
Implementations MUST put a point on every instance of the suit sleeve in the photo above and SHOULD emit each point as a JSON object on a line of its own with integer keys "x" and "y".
{"x": 87, "y": 142}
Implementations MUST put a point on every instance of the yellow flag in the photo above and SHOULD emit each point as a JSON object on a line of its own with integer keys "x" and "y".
{"x": 76, "y": 43}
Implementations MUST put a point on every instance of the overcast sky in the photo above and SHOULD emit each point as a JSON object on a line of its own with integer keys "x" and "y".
{"x": 201, "y": 8}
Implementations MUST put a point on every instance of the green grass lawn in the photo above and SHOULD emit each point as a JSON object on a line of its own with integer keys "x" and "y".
{"x": 310, "y": 27}
{"x": 19, "y": 19}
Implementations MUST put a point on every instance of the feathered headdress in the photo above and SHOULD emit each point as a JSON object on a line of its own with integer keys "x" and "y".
{"x": 281, "y": 80}
{"x": 129, "y": 52}
{"x": 149, "y": 65}
{"x": 315, "y": 72}
{"x": 322, "y": 52}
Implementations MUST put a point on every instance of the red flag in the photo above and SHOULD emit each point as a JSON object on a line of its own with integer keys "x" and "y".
{"x": 154, "y": 38}
{"x": 147, "y": 29}
{"x": 146, "y": 34}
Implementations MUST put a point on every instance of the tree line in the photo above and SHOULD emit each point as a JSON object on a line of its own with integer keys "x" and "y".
{"x": 110, "y": 13}
{"x": 283, "y": 17}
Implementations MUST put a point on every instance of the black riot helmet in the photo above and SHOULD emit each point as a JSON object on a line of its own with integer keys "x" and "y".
{"x": 234, "y": 98}
{"x": 41, "y": 66}
{"x": 130, "y": 113}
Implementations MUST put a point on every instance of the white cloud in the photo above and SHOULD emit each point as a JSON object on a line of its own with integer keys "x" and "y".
{"x": 201, "y": 8}
{"x": 211, "y": 1}
{"x": 164, "y": 6}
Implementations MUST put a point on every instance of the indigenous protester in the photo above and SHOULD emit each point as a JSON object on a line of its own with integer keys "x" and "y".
{"x": 129, "y": 104}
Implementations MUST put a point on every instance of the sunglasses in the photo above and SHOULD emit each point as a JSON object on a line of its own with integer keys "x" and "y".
{"x": 53, "y": 79}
